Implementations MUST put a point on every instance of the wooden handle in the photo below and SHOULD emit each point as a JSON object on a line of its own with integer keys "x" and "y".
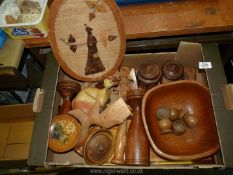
{"x": 83, "y": 137}
{"x": 120, "y": 142}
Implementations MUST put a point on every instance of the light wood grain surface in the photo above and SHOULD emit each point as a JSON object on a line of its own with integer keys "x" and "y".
{"x": 171, "y": 18}
{"x": 176, "y": 18}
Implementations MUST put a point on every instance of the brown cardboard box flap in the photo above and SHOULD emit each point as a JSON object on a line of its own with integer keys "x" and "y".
{"x": 19, "y": 112}
{"x": 228, "y": 96}
{"x": 20, "y": 132}
{"x": 4, "y": 130}
{"x": 16, "y": 151}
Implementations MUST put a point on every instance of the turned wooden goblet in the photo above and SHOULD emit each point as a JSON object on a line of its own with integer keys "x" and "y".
{"x": 68, "y": 90}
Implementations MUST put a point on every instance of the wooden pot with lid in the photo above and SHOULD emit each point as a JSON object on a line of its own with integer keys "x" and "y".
{"x": 149, "y": 75}
{"x": 172, "y": 71}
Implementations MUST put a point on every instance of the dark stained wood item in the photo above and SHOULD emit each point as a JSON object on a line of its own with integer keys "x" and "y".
{"x": 68, "y": 90}
{"x": 90, "y": 56}
{"x": 198, "y": 142}
{"x": 149, "y": 75}
{"x": 137, "y": 150}
{"x": 173, "y": 70}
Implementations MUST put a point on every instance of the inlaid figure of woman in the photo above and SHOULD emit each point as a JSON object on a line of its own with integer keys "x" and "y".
{"x": 94, "y": 63}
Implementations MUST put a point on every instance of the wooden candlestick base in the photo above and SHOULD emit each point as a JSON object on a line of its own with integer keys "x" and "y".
{"x": 68, "y": 90}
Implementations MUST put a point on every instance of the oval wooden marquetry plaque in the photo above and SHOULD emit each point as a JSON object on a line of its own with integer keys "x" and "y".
{"x": 87, "y": 37}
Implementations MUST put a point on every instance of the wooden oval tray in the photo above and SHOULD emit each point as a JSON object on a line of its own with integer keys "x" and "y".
{"x": 87, "y": 37}
{"x": 195, "y": 143}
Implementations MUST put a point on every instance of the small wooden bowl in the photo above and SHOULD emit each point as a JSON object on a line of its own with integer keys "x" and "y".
{"x": 195, "y": 143}
{"x": 64, "y": 133}
{"x": 68, "y": 88}
{"x": 98, "y": 147}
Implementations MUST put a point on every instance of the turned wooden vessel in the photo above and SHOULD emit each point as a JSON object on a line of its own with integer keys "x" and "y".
{"x": 137, "y": 146}
{"x": 68, "y": 90}
{"x": 149, "y": 75}
{"x": 114, "y": 114}
{"x": 98, "y": 147}
{"x": 173, "y": 70}
{"x": 64, "y": 133}
{"x": 198, "y": 142}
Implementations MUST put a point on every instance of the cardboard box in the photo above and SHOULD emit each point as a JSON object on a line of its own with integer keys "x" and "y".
{"x": 16, "y": 151}
{"x": 16, "y": 126}
{"x": 189, "y": 54}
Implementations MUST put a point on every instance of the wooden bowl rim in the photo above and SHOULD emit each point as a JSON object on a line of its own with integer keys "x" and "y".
{"x": 95, "y": 131}
{"x": 70, "y": 83}
{"x": 153, "y": 145}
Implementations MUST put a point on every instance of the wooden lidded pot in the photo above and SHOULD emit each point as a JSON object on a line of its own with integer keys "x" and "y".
{"x": 173, "y": 70}
{"x": 149, "y": 75}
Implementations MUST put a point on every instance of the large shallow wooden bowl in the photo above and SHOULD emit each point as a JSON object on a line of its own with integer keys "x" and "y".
{"x": 195, "y": 143}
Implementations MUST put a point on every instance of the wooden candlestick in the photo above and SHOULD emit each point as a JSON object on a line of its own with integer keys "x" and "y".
{"x": 120, "y": 138}
{"x": 120, "y": 143}
{"x": 137, "y": 146}
{"x": 68, "y": 90}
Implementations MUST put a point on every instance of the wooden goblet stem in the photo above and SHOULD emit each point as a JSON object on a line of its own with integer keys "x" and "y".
{"x": 66, "y": 106}
{"x": 137, "y": 150}
{"x": 120, "y": 142}
{"x": 67, "y": 89}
